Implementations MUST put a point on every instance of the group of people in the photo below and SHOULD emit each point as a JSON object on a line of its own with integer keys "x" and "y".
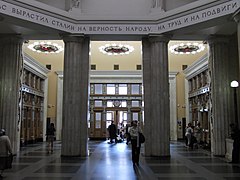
{"x": 132, "y": 135}
{"x": 122, "y": 131}
{"x": 193, "y": 135}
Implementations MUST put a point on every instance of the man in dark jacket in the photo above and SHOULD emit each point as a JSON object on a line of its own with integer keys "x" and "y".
{"x": 112, "y": 132}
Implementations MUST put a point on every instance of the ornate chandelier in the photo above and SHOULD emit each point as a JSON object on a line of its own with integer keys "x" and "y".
{"x": 116, "y": 49}
{"x": 45, "y": 47}
{"x": 188, "y": 48}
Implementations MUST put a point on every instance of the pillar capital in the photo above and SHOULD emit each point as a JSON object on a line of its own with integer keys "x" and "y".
{"x": 11, "y": 39}
{"x": 73, "y": 37}
{"x": 159, "y": 38}
{"x": 218, "y": 39}
{"x": 236, "y": 17}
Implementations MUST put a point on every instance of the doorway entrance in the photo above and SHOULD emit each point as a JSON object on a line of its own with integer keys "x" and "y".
{"x": 100, "y": 123}
{"x": 119, "y": 117}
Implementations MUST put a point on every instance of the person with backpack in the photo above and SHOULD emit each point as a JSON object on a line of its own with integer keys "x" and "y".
{"x": 136, "y": 144}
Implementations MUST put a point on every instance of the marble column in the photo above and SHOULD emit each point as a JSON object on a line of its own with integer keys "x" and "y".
{"x": 156, "y": 95}
{"x": 237, "y": 20}
{"x": 10, "y": 72}
{"x": 222, "y": 68}
{"x": 75, "y": 96}
{"x": 59, "y": 106}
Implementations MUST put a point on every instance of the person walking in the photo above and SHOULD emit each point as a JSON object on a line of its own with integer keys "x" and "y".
{"x": 112, "y": 132}
{"x": 5, "y": 152}
{"x": 188, "y": 134}
{"x": 198, "y": 131}
{"x": 136, "y": 145}
{"x": 50, "y": 137}
{"x": 127, "y": 134}
{"x": 235, "y": 134}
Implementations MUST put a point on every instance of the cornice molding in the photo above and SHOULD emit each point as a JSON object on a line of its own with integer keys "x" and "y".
{"x": 171, "y": 20}
{"x": 236, "y": 16}
{"x": 197, "y": 67}
{"x": 156, "y": 17}
{"x": 116, "y": 76}
{"x": 35, "y": 67}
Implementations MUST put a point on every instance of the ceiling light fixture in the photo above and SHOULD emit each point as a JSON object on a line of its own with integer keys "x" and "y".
{"x": 116, "y": 49}
{"x": 45, "y": 47}
{"x": 188, "y": 48}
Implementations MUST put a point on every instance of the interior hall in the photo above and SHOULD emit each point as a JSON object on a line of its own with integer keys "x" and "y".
{"x": 70, "y": 69}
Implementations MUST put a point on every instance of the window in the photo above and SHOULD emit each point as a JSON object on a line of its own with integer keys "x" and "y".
{"x": 98, "y": 89}
{"x": 109, "y": 116}
{"x": 123, "y": 117}
{"x": 110, "y": 88}
{"x": 135, "y": 116}
{"x": 108, "y": 123}
{"x": 116, "y": 67}
{"x": 122, "y": 89}
{"x": 49, "y": 66}
{"x": 109, "y": 104}
{"x": 124, "y": 103}
{"x": 184, "y": 67}
{"x": 93, "y": 66}
{"x": 139, "y": 67}
{"x": 98, "y": 103}
{"x": 98, "y": 117}
{"x": 135, "y": 103}
{"x": 135, "y": 89}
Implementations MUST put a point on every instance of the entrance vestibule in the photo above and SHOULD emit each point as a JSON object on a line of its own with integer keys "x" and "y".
{"x": 119, "y": 101}
{"x": 99, "y": 125}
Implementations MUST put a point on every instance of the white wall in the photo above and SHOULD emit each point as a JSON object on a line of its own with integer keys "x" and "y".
{"x": 107, "y": 7}
{"x": 56, "y": 3}
{"x": 116, "y": 7}
{"x": 172, "y": 4}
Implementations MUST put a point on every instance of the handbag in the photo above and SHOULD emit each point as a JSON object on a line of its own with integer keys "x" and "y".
{"x": 6, "y": 162}
{"x": 141, "y": 138}
{"x": 9, "y": 161}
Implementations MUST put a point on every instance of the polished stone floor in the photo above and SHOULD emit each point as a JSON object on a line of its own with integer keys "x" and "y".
{"x": 113, "y": 161}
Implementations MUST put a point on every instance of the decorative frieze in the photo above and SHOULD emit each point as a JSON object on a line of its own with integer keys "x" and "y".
{"x": 70, "y": 24}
